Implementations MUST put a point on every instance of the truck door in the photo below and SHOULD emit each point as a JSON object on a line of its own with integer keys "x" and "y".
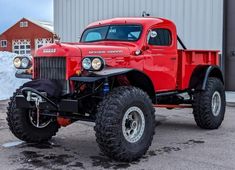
{"x": 162, "y": 49}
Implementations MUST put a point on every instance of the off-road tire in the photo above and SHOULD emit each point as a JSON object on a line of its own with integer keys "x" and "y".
{"x": 108, "y": 126}
{"x": 202, "y": 106}
{"x": 20, "y": 126}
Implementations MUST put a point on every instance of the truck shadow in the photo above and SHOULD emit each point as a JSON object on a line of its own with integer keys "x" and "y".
{"x": 77, "y": 153}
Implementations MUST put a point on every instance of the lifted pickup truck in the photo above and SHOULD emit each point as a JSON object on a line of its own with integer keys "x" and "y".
{"x": 115, "y": 76}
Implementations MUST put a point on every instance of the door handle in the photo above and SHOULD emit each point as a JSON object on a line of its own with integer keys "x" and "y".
{"x": 173, "y": 58}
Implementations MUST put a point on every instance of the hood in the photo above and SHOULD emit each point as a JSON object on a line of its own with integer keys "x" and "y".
{"x": 115, "y": 55}
{"x": 84, "y": 50}
{"x": 104, "y": 50}
{"x": 59, "y": 49}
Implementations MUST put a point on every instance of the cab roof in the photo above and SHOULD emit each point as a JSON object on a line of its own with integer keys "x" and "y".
{"x": 145, "y": 21}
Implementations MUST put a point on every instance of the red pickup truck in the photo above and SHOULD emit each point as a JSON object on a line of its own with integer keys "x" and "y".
{"x": 119, "y": 71}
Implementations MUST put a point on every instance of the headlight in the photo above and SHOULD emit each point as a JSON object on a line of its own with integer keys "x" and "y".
{"x": 96, "y": 63}
{"x": 17, "y": 62}
{"x": 86, "y": 63}
{"x": 25, "y": 63}
{"x": 93, "y": 63}
{"x": 22, "y": 62}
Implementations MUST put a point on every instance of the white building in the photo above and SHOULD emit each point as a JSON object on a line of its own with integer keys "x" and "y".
{"x": 200, "y": 23}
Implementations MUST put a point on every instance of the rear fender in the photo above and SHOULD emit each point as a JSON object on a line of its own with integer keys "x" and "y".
{"x": 201, "y": 74}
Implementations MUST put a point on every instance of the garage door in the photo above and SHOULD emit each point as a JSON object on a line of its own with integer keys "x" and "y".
{"x": 22, "y": 47}
{"x": 42, "y": 41}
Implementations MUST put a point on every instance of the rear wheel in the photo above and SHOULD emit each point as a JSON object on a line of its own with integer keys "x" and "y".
{"x": 24, "y": 124}
{"x": 209, "y": 105}
{"x": 125, "y": 124}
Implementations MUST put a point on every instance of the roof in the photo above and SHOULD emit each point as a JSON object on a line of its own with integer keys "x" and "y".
{"x": 44, "y": 24}
{"x": 132, "y": 20}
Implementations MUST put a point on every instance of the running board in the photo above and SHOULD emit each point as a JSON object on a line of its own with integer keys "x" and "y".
{"x": 171, "y": 106}
{"x": 167, "y": 93}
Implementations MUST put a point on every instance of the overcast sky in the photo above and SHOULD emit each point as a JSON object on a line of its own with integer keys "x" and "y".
{"x": 13, "y": 10}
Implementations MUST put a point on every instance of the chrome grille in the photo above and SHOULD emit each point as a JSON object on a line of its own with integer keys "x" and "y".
{"x": 52, "y": 68}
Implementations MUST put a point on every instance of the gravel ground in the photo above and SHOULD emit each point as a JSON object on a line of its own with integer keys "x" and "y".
{"x": 178, "y": 144}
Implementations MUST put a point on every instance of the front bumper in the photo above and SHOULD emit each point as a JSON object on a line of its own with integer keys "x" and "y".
{"x": 65, "y": 105}
{"x": 23, "y": 75}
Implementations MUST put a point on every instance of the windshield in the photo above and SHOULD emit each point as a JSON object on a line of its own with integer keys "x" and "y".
{"x": 112, "y": 32}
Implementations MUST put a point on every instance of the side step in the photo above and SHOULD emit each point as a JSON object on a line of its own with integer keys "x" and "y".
{"x": 170, "y": 106}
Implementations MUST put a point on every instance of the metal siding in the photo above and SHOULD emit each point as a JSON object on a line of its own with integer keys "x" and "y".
{"x": 199, "y": 22}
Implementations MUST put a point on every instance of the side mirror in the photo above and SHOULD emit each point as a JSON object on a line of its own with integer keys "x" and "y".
{"x": 153, "y": 34}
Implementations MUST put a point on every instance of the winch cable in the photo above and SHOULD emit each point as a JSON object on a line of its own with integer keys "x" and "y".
{"x": 28, "y": 89}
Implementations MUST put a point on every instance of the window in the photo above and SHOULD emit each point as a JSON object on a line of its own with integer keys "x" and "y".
{"x": 28, "y": 51}
{"x": 21, "y": 47}
{"x": 24, "y": 24}
{"x": 3, "y": 43}
{"x": 93, "y": 36}
{"x": 39, "y": 46}
{"x": 16, "y": 47}
{"x": 160, "y": 37}
{"x": 133, "y": 34}
{"x": 41, "y": 42}
{"x": 123, "y": 32}
{"x": 113, "y": 33}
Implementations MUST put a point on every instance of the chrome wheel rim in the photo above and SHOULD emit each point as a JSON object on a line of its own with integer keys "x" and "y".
{"x": 133, "y": 124}
{"x": 42, "y": 123}
{"x": 216, "y": 103}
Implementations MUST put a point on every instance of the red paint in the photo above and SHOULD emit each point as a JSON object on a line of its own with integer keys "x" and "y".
{"x": 171, "y": 106}
{"x": 32, "y": 32}
{"x": 63, "y": 121}
{"x": 167, "y": 67}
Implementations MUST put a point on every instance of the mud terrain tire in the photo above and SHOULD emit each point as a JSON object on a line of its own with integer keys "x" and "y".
{"x": 21, "y": 127}
{"x": 204, "y": 101}
{"x": 115, "y": 120}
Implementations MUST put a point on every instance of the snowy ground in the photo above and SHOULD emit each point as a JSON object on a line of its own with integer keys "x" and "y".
{"x": 9, "y": 83}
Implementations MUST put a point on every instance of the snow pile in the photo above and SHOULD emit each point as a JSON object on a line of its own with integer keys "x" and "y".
{"x": 8, "y": 82}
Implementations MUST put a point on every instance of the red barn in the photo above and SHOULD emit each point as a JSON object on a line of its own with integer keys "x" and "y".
{"x": 26, "y": 36}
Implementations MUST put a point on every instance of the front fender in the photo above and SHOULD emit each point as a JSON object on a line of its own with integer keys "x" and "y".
{"x": 136, "y": 78}
{"x": 99, "y": 75}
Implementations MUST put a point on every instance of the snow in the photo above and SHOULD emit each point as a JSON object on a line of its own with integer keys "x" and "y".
{"x": 8, "y": 82}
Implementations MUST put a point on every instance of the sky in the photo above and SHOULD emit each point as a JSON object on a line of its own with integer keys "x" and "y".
{"x": 12, "y": 11}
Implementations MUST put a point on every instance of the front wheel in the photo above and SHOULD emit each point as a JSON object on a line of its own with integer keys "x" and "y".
{"x": 24, "y": 124}
{"x": 209, "y": 105}
{"x": 125, "y": 124}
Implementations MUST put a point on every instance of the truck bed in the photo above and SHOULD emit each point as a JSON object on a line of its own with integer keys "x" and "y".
{"x": 188, "y": 60}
